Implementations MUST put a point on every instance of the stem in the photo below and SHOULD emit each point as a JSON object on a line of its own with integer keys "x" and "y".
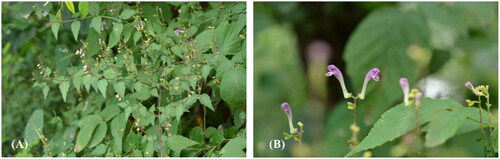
{"x": 489, "y": 121}
{"x": 290, "y": 123}
{"x": 419, "y": 153}
{"x": 481, "y": 124}
{"x": 484, "y": 124}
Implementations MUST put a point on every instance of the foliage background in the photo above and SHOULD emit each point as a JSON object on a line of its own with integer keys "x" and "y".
{"x": 188, "y": 90}
{"x": 437, "y": 46}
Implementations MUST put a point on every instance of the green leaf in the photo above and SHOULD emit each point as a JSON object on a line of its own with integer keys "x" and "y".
{"x": 137, "y": 36}
{"x": 109, "y": 112}
{"x": 96, "y": 24}
{"x": 233, "y": 87}
{"x": 178, "y": 142}
{"x": 149, "y": 149}
{"x": 70, "y": 6}
{"x": 395, "y": 122}
{"x": 120, "y": 88}
{"x": 126, "y": 14}
{"x": 55, "y": 28}
{"x": 444, "y": 124}
{"x": 382, "y": 40}
{"x": 228, "y": 39}
{"x": 103, "y": 85}
{"x": 177, "y": 51}
{"x": 205, "y": 100}
{"x": 234, "y": 148}
{"x": 203, "y": 40}
{"x": 196, "y": 134}
{"x": 470, "y": 125}
{"x": 400, "y": 120}
{"x": 64, "y": 87}
{"x": 83, "y": 8}
{"x": 118, "y": 125}
{"x": 89, "y": 123}
{"x": 58, "y": 16}
{"x": 34, "y": 125}
{"x": 99, "y": 134}
{"x": 75, "y": 28}
{"x": 99, "y": 150}
{"x": 94, "y": 8}
{"x": 45, "y": 91}
{"x": 77, "y": 82}
{"x": 205, "y": 70}
{"x": 114, "y": 37}
{"x": 109, "y": 74}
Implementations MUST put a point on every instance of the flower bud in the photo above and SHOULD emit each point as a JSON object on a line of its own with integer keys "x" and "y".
{"x": 403, "y": 82}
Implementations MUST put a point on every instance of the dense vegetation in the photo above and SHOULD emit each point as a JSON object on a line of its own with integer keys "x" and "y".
{"x": 124, "y": 79}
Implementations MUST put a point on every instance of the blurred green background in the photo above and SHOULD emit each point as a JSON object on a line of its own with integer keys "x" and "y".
{"x": 437, "y": 46}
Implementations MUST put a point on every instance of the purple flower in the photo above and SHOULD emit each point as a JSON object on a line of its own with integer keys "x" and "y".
{"x": 140, "y": 22}
{"x": 372, "y": 74}
{"x": 103, "y": 22}
{"x": 286, "y": 108}
{"x": 403, "y": 82}
{"x": 81, "y": 40}
{"x": 288, "y": 111}
{"x": 90, "y": 25}
{"x": 177, "y": 31}
{"x": 333, "y": 70}
{"x": 469, "y": 85}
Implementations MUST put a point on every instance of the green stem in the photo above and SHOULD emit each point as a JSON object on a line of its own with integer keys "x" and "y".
{"x": 481, "y": 123}
{"x": 484, "y": 124}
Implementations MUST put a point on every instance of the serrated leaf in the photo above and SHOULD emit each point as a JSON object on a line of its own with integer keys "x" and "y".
{"x": 103, "y": 86}
{"x": 400, "y": 120}
{"x": 99, "y": 134}
{"x": 89, "y": 124}
{"x": 444, "y": 124}
{"x": 77, "y": 82}
{"x": 203, "y": 40}
{"x": 126, "y": 14}
{"x": 109, "y": 74}
{"x": 178, "y": 143}
{"x": 205, "y": 70}
{"x": 96, "y": 24}
{"x": 55, "y": 29}
{"x": 75, "y": 28}
{"x": 34, "y": 125}
{"x": 196, "y": 134}
{"x": 83, "y": 8}
{"x": 395, "y": 122}
{"x": 99, "y": 150}
{"x": 233, "y": 87}
{"x": 64, "y": 87}
{"x": 234, "y": 148}
{"x": 137, "y": 36}
{"x": 115, "y": 35}
{"x": 45, "y": 91}
{"x": 70, "y": 6}
{"x": 154, "y": 92}
{"x": 149, "y": 149}
{"x": 120, "y": 88}
{"x": 109, "y": 112}
{"x": 118, "y": 125}
{"x": 205, "y": 100}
